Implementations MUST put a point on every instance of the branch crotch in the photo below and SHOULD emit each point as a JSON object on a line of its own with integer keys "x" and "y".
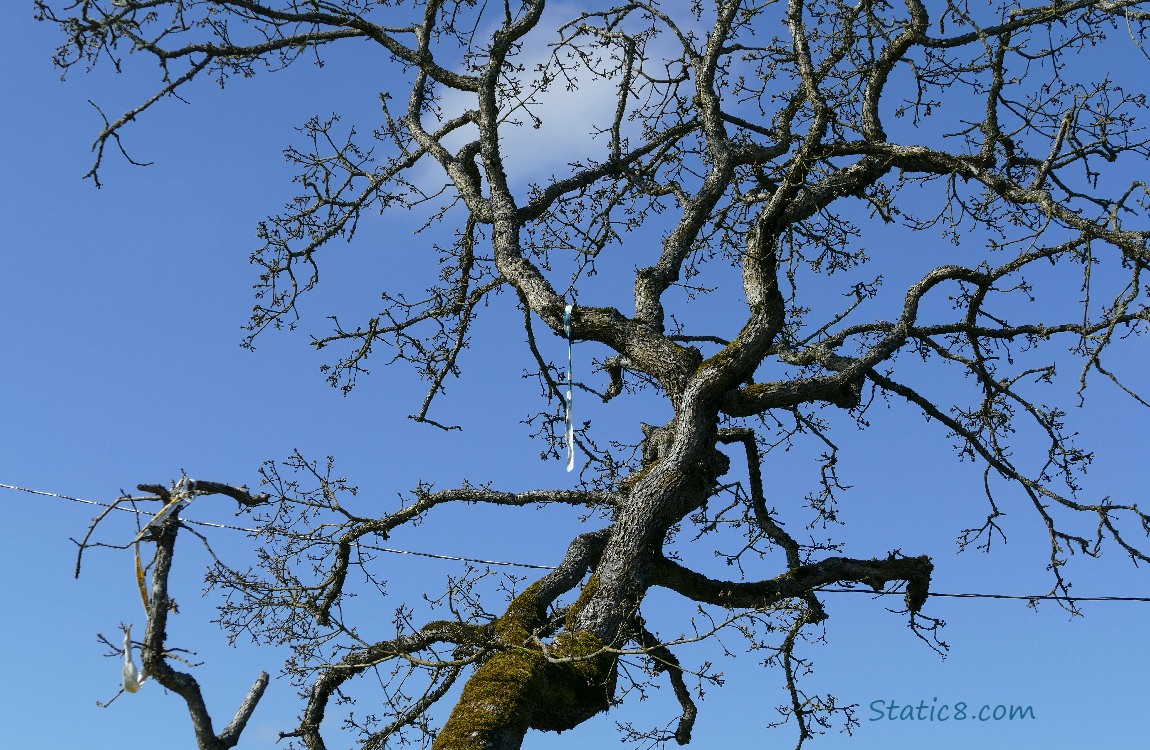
{"x": 529, "y": 685}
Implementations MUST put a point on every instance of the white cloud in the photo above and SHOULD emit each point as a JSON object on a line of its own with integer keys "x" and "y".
{"x": 557, "y": 125}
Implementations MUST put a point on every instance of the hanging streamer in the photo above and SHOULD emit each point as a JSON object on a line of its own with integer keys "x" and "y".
{"x": 133, "y": 677}
{"x": 183, "y": 495}
{"x": 141, "y": 580}
{"x": 570, "y": 421}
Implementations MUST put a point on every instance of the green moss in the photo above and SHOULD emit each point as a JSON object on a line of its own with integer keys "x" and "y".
{"x": 578, "y": 644}
{"x": 521, "y": 688}
{"x": 589, "y": 590}
{"x": 720, "y": 358}
{"x": 578, "y": 689}
{"x": 523, "y": 615}
{"x": 755, "y": 390}
{"x": 496, "y": 700}
{"x": 458, "y": 632}
{"x": 629, "y": 483}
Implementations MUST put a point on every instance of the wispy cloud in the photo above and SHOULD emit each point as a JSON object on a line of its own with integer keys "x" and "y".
{"x": 545, "y": 129}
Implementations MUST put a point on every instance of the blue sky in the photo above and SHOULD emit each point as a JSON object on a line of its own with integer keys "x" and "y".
{"x": 120, "y": 314}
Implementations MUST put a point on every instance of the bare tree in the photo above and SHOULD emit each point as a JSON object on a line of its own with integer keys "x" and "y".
{"x": 773, "y": 139}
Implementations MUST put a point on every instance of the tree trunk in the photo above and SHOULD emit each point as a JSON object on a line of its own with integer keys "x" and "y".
{"x": 531, "y": 685}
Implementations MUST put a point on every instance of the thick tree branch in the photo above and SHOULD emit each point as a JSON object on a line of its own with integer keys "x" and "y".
{"x": 155, "y": 659}
{"x": 796, "y": 583}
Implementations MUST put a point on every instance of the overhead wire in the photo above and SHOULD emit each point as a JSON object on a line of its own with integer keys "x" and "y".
{"x": 1021, "y": 597}
{"x": 457, "y": 558}
{"x": 247, "y": 530}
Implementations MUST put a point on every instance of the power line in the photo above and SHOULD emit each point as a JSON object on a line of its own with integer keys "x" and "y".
{"x": 257, "y": 531}
{"x": 1020, "y": 597}
{"x": 121, "y": 507}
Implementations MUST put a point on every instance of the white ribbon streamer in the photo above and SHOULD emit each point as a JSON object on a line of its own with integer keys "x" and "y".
{"x": 133, "y": 677}
{"x": 570, "y": 421}
{"x": 183, "y": 494}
